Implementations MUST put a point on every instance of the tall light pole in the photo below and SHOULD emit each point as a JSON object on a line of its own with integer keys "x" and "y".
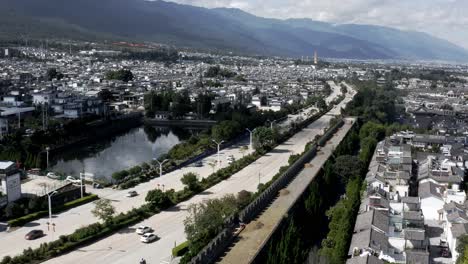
{"x": 49, "y": 195}
{"x": 251, "y": 136}
{"x": 47, "y": 156}
{"x": 160, "y": 165}
{"x": 271, "y": 123}
{"x": 82, "y": 175}
{"x": 218, "y": 144}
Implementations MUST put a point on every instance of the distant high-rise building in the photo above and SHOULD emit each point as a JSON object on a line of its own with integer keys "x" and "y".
{"x": 7, "y": 52}
{"x": 315, "y": 58}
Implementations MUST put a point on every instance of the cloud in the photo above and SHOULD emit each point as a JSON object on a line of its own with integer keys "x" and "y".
{"x": 442, "y": 18}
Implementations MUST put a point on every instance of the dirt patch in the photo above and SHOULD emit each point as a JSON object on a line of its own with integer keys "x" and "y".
{"x": 284, "y": 192}
{"x": 258, "y": 225}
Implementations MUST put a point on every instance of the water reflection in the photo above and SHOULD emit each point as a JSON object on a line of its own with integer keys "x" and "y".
{"x": 119, "y": 152}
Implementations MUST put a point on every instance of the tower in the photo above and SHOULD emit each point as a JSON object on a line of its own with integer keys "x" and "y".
{"x": 315, "y": 58}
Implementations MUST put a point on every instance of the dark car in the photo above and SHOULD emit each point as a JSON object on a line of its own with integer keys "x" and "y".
{"x": 33, "y": 234}
{"x": 198, "y": 164}
{"x": 132, "y": 194}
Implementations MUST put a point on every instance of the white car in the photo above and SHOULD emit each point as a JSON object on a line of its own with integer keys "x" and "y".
{"x": 230, "y": 159}
{"x": 143, "y": 230}
{"x": 73, "y": 180}
{"x": 148, "y": 237}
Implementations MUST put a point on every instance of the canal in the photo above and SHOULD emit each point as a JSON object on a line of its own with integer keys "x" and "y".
{"x": 119, "y": 152}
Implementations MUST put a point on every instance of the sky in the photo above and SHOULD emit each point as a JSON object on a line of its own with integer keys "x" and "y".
{"x": 446, "y": 19}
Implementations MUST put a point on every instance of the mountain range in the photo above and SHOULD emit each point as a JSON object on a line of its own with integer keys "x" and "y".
{"x": 216, "y": 29}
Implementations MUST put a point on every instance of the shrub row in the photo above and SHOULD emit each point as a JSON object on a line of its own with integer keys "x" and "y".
{"x": 37, "y": 215}
{"x": 180, "y": 250}
{"x": 80, "y": 237}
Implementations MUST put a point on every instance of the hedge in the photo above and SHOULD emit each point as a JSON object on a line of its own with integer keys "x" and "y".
{"x": 80, "y": 237}
{"x": 180, "y": 250}
{"x": 37, "y": 215}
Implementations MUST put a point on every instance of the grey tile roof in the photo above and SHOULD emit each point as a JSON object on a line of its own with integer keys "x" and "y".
{"x": 410, "y": 200}
{"x": 413, "y": 215}
{"x": 430, "y": 189}
{"x": 459, "y": 230}
{"x": 360, "y": 240}
{"x": 364, "y": 221}
{"x": 457, "y": 216}
{"x": 417, "y": 257}
{"x": 415, "y": 234}
{"x": 381, "y": 220}
{"x": 365, "y": 260}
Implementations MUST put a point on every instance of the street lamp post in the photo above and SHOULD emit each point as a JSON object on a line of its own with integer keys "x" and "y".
{"x": 49, "y": 195}
{"x": 251, "y": 136}
{"x": 160, "y": 165}
{"x": 81, "y": 183}
{"x": 47, "y": 156}
{"x": 271, "y": 123}
{"x": 218, "y": 144}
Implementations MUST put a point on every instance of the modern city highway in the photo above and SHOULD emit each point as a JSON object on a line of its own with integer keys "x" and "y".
{"x": 125, "y": 247}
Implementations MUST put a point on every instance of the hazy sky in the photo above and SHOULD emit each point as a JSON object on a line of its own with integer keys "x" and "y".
{"x": 447, "y": 19}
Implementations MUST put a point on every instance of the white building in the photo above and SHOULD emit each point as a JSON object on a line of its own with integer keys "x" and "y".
{"x": 10, "y": 182}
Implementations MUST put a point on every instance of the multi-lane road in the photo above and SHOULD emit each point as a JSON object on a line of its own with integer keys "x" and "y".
{"x": 124, "y": 246}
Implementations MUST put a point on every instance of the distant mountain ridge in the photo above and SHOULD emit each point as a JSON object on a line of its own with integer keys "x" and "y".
{"x": 218, "y": 29}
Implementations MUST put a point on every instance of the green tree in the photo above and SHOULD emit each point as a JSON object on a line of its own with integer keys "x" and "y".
{"x": 190, "y": 180}
{"x": 104, "y": 210}
{"x": 321, "y": 104}
{"x": 121, "y": 75}
{"x": 243, "y": 150}
{"x": 206, "y": 219}
{"x": 462, "y": 249}
{"x": 243, "y": 198}
{"x": 158, "y": 198}
{"x": 226, "y": 130}
{"x": 347, "y": 167}
{"x": 52, "y": 73}
{"x": 262, "y": 137}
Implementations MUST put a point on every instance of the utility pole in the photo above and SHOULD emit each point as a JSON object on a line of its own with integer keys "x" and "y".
{"x": 47, "y": 157}
{"x": 43, "y": 116}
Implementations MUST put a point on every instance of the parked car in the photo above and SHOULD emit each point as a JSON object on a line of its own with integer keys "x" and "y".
{"x": 148, "y": 237}
{"x": 198, "y": 164}
{"x": 73, "y": 180}
{"x": 230, "y": 159}
{"x": 132, "y": 194}
{"x": 143, "y": 230}
{"x": 33, "y": 234}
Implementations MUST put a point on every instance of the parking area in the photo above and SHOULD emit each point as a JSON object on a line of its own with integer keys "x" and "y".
{"x": 40, "y": 185}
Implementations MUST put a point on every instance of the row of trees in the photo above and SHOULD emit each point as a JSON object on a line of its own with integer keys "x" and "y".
{"x": 218, "y": 72}
{"x": 123, "y": 75}
{"x": 177, "y": 103}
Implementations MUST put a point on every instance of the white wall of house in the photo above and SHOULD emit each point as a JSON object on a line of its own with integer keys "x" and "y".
{"x": 403, "y": 190}
{"x": 429, "y": 207}
{"x": 11, "y": 186}
{"x": 397, "y": 242}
